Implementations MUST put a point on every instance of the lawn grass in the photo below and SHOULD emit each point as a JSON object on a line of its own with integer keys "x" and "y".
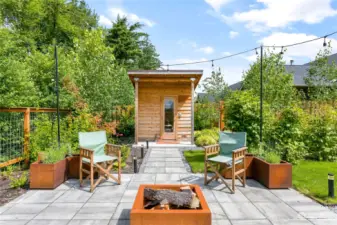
{"x": 309, "y": 177}
{"x": 196, "y": 160}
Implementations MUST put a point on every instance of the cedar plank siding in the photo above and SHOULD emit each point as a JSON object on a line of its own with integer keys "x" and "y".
{"x": 150, "y": 109}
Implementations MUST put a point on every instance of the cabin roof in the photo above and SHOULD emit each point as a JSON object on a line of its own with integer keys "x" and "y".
{"x": 165, "y": 75}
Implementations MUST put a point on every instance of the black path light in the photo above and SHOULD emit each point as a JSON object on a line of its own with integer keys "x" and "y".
{"x": 331, "y": 185}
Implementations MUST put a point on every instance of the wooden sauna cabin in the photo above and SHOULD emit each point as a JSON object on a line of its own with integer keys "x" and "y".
{"x": 164, "y": 105}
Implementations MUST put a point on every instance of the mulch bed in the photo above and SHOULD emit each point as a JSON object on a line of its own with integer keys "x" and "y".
{"x": 7, "y": 193}
{"x": 129, "y": 162}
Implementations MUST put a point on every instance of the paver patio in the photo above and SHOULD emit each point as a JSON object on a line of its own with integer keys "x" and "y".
{"x": 111, "y": 203}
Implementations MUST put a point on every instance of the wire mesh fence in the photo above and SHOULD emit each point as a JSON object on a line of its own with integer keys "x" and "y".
{"x": 15, "y": 127}
{"x": 11, "y": 135}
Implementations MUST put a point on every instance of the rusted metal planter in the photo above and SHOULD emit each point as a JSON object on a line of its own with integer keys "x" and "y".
{"x": 47, "y": 176}
{"x": 249, "y": 167}
{"x": 273, "y": 176}
{"x": 73, "y": 166}
{"x": 141, "y": 216}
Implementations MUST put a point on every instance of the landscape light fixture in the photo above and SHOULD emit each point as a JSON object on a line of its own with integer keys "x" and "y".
{"x": 324, "y": 43}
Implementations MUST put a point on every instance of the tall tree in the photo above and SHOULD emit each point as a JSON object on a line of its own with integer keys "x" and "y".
{"x": 216, "y": 86}
{"x": 132, "y": 47}
{"x": 322, "y": 77}
{"x": 278, "y": 84}
{"x": 34, "y": 20}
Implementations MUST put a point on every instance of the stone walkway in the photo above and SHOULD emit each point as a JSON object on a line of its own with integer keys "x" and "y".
{"x": 111, "y": 203}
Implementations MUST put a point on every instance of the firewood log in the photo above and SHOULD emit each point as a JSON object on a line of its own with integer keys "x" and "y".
{"x": 180, "y": 199}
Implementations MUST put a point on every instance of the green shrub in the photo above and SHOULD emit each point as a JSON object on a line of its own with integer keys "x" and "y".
{"x": 321, "y": 137}
{"x": 18, "y": 181}
{"x": 206, "y": 115}
{"x": 126, "y": 125}
{"x": 214, "y": 133}
{"x": 272, "y": 157}
{"x": 243, "y": 115}
{"x": 125, "y": 152}
{"x": 197, "y": 134}
{"x": 286, "y": 136}
{"x": 205, "y": 140}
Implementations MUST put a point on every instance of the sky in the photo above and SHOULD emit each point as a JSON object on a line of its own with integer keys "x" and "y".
{"x": 194, "y": 30}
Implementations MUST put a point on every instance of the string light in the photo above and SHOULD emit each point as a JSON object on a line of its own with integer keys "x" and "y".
{"x": 256, "y": 51}
{"x": 213, "y": 65}
{"x": 324, "y": 43}
{"x": 244, "y": 52}
{"x": 281, "y": 52}
{"x": 168, "y": 67}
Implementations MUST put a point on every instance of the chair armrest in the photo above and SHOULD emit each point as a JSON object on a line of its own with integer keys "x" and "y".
{"x": 211, "y": 150}
{"x": 239, "y": 153}
{"x": 86, "y": 153}
{"x": 115, "y": 150}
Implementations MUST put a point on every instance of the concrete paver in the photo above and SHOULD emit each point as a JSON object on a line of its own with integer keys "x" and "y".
{"x": 111, "y": 203}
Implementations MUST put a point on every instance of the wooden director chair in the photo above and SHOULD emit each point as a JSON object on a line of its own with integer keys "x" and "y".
{"x": 93, "y": 148}
{"x": 227, "y": 155}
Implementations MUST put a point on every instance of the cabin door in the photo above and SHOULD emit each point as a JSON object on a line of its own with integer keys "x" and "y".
{"x": 169, "y": 111}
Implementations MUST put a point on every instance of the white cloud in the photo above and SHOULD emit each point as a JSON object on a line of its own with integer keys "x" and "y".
{"x": 217, "y": 4}
{"x": 104, "y": 21}
{"x": 195, "y": 46}
{"x": 206, "y": 50}
{"x": 114, "y": 12}
{"x": 308, "y": 50}
{"x": 226, "y": 53}
{"x": 233, "y": 34}
{"x": 280, "y": 14}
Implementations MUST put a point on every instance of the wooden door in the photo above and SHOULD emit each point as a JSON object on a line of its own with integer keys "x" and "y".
{"x": 168, "y": 118}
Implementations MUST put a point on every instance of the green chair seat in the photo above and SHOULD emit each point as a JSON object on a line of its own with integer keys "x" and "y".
{"x": 100, "y": 158}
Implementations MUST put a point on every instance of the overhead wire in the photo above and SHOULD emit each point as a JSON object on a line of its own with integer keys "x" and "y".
{"x": 254, "y": 49}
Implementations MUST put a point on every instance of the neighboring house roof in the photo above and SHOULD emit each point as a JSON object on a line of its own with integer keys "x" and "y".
{"x": 205, "y": 96}
{"x": 236, "y": 86}
{"x": 299, "y": 72}
{"x": 331, "y": 58}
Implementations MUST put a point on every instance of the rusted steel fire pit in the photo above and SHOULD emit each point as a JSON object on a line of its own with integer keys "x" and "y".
{"x": 140, "y": 215}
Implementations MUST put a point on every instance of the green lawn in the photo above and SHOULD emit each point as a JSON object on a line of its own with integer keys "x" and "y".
{"x": 309, "y": 177}
{"x": 196, "y": 160}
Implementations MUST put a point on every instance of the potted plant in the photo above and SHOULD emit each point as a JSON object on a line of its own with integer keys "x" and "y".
{"x": 49, "y": 172}
{"x": 271, "y": 171}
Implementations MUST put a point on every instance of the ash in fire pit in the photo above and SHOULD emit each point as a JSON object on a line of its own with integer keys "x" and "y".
{"x": 165, "y": 199}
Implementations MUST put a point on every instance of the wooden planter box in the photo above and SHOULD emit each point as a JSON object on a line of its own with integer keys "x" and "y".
{"x": 47, "y": 176}
{"x": 272, "y": 175}
{"x": 141, "y": 216}
{"x": 249, "y": 167}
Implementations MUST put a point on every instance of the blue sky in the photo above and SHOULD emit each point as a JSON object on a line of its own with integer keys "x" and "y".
{"x": 192, "y": 30}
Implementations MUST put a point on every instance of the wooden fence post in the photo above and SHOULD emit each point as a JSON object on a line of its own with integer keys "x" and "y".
{"x": 222, "y": 116}
{"x": 26, "y": 128}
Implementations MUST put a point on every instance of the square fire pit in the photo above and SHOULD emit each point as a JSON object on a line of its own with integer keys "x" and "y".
{"x": 141, "y": 216}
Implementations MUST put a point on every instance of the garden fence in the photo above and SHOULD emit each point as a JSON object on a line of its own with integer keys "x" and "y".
{"x": 15, "y": 127}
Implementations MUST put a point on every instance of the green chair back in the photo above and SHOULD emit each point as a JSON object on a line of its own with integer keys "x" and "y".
{"x": 230, "y": 141}
{"x": 95, "y": 141}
